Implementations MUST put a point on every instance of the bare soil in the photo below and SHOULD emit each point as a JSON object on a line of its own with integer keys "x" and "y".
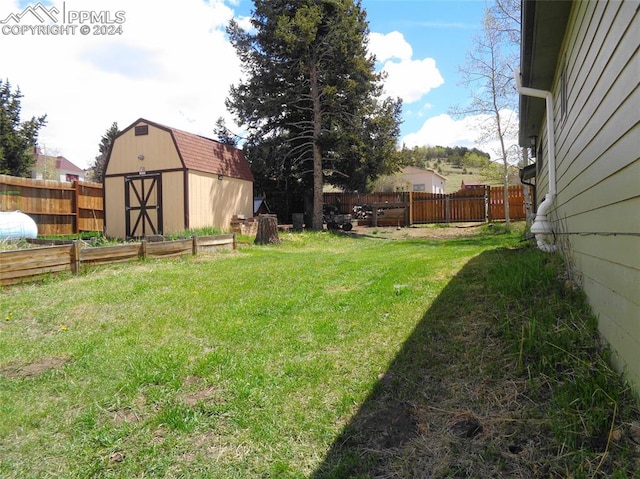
{"x": 16, "y": 370}
{"x": 417, "y": 231}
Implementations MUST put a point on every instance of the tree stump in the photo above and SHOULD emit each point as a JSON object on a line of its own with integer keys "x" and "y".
{"x": 267, "y": 230}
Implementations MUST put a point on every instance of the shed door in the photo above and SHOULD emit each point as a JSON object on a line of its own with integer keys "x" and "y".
{"x": 143, "y": 205}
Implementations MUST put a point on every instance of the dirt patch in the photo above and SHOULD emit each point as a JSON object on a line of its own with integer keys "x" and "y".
{"x": 126, "y": 416}
{"x": 391, "y": 425}
{"x": 204, "y": 393}
{"x": 417, "y": 231}
{"x": 18, "y": 370}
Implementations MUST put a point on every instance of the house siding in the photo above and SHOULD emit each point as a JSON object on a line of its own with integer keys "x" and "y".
{"x": 597, "y": 208}
{"x": 433, "y": 182}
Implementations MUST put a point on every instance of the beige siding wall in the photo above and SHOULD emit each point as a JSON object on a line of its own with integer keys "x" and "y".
{"x": 114, "y": 217}
{"x": 157, "y": 147}
{"x": 598, "y": 167}
{"x": 212, "y": 202}
{"x": 173, "y": 212}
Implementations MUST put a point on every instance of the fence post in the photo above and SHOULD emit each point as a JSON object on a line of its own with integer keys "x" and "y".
{"x": 489, "y": 205}
{"x": 410, "y": 208}
{"x": 194, "y": 245}
{"x": 447, "y": 210}
{"x": 75, "y": 257}
{"x": 487, "y": 194}
{"x": 143, "y": 249}
{"x": 235, "y": 242}
{"x": 75, "y": 208}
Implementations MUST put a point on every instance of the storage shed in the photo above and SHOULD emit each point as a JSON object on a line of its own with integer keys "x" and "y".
{"x": 160, "y": 180}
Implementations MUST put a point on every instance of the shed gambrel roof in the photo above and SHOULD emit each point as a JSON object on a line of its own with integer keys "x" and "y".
{"x": 204, "y": 154}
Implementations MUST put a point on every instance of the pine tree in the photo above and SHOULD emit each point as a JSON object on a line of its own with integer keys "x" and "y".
{"x": 17, "y": 139}
{"x": 310, "y": 102}
{"x": 96, "y": 171}
{"x": 224, "y": 135}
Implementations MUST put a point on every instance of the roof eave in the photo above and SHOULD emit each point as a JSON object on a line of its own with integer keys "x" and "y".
{"x": 543, "y": 28}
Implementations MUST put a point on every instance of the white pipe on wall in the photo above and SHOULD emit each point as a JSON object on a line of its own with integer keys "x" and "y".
{"x": 542, "y": 226}
{"x": 551, "y": 140}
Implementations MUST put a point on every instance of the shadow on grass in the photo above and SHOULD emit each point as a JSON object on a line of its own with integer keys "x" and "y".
{"x": 442, "y": 407}
{"x": 503, "y": 377}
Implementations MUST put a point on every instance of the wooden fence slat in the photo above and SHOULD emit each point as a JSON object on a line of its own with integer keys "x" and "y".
{"x": 16, "y": 266}
{"x": 31, "y": 275}
{"x": 110, "y": 254}
{"x": 28, "y": 264}
{"x": 211, "y": 241}
{"x": 33, "y": 258}
{"x": 169, "y": 248}
{"x": 469, "y": 205}
{"x": 58, "y": 208}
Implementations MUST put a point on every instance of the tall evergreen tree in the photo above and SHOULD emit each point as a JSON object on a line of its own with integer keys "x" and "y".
{"x": 310, "y": 101}
{"x": 17, "y": 139}
{"x": 224, "y": 135}
{"x": 96, "y": 172}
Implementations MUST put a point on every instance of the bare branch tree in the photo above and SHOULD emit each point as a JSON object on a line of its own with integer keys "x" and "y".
{"x": 487, "y": 73}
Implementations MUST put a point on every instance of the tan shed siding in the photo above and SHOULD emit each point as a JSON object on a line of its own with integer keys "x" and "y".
{"x": 157, "y": 147}
{"x": 598, "y": 167}
{"x": 212, "y": 202}
{"x": 114, "y": 207}
{"x": 173, "y": 202}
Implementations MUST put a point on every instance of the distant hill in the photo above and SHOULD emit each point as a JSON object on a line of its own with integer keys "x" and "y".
{"x": 458, "y": 164}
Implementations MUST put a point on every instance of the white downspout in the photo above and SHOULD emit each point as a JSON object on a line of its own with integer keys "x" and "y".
{"x": 542, "y": 226}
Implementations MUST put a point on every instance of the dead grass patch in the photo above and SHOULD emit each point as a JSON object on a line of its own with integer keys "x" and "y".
{"x": 21, "y": 370}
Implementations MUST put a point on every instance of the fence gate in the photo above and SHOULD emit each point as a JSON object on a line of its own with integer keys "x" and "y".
{"x": 143, "y": 205}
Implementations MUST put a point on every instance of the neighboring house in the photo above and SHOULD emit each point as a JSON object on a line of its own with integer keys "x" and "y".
{"x": 471, "y": 186}
{"x": 423, "y": 180}
{"x": 56, "y": 168}
{"x": 161, "y": 180}
{"x": 580, "y": 111}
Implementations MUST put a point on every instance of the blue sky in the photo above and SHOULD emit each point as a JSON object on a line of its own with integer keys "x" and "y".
{"x": 436, "y": 29}
{"x": 170, "y": 62}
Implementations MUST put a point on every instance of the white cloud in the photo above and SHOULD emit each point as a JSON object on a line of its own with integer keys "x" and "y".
{"x": 443, "y": 130}
{"x": 407, "y": 78}
{"x": 411, "y": 79}
{"x": 171, "y": 64}
{"x": 391, "y": 45}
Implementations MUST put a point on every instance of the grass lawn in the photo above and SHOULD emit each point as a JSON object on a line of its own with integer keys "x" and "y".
{"x": 329, "y": 356}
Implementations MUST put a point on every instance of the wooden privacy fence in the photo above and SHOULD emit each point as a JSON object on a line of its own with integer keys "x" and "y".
{"x": 58, "y": 208}
{"x": 29, "y": 264}
{"x": 464, "y": 205}
{"x": 407, "y": 208}
{"x": 517, "y": 202}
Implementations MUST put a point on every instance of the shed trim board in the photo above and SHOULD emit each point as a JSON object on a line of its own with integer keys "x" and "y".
{"x": 152, "y": 172}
